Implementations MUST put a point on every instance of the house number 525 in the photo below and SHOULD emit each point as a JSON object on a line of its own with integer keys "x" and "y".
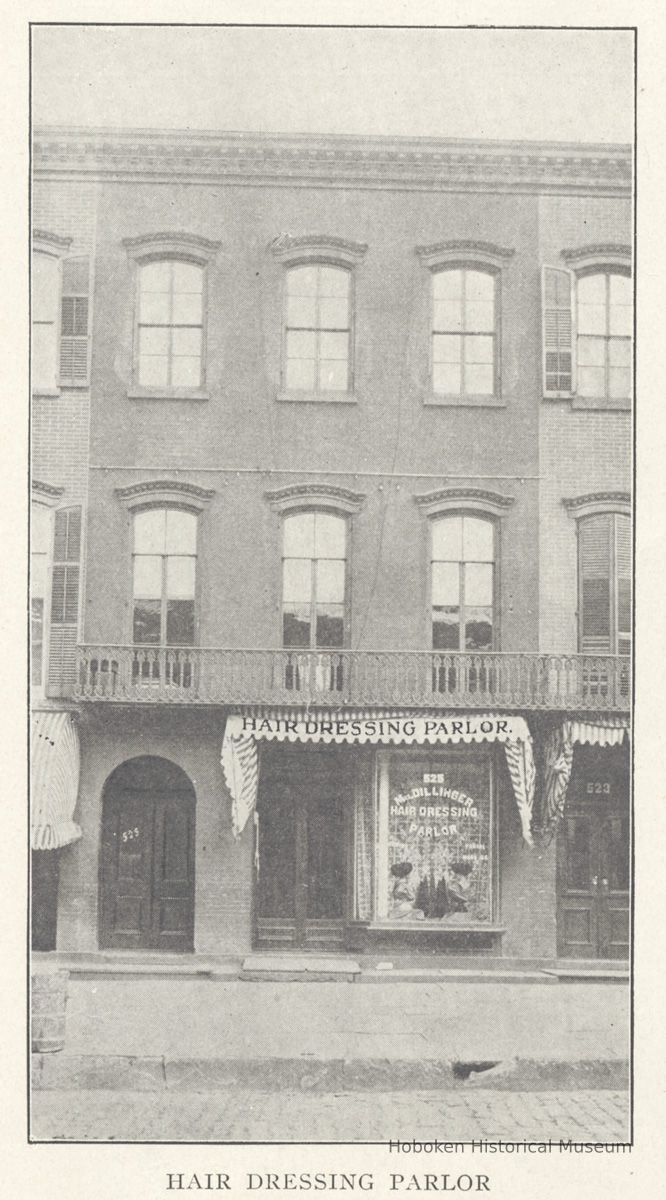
{"x": 128, "y": 835}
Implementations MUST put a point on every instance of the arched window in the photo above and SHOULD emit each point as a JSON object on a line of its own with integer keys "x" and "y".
{"x": 463, "y": 583}
{"x": 464, "y": 334}
{"x": 317, "y": 352}
{"x": 164, "y": 577}
{"x": 604, "y": 582}
{"x": 314, "y": 565}
{"x": 170, "y": 324}
{"x": 604, "y": 322}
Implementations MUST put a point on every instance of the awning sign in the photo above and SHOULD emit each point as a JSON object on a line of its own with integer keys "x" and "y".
{"x": 243, "y": 731}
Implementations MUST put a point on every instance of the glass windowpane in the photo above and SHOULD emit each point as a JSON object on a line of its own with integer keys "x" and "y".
{"x": 38, "y": 574}
{"x": 299, "y": 536}
{"x": 479, "y": 285}
{"x": 154, "y": 308}
{"x": 186, "y": 342}
{"x": 333, "y": 314}
{"x": 297, "y": 579}
{"x": 445, "y": 583}
{"x": 592, "y": 318}
{"x": 447, "y": 379}
{"x": 447, "y": 316}
{"x": 301, "y": 312}
{"x": 479, "y": 316}
{"x": 180, "y": 623}
{"x": 154, "y": 341}
{"x": 296, "y": 626}
{"x": 333, "y": 281}
{"x": 591, "y": 351}
{"x": 330, "y": 575}
{"x": 181, "y": 532}
{"x": 447, "y": 348}
{"x": 447, "y": 539}
{"x": 44, "y": 287}
{"x": 153, "y": 371}
{"x": 478, "y": 540}
{"x": 147, "y": 576}
{"x": 334, "y": 345}
{"x": 333, "y": 376}
{"x": 478, "y": 628}
{"x": 479, "y": 349}
{"x": 330, "y": 536}
{"x": 446, "y": 285}
{"x": 592, "y": 290}
{"x": 302, "y": 281}
{"x": 301, "y": 345}
{"x": 619, "y": 352}
{"x": 147, "y": 622}
{"x": 330, "y": 625}
{"x": 186, "y": 372}
{"x": 479, "y": 380}
{"x": 446, "y": 628}
{"x": 619, "y": 383}
{"x": 301, "y": 374}
{"x": 187, "y": 309}
{"x": 40, "y": 529}
{"x": 150, "y": 531}
{"x": 180, "y": 574}
{"x": 478, "y": 584}
{"x": 43, "y": 360}
{"x": 156, "y": 277}
{"x": 591, "y": 381}
{"x": 187, "y": 277}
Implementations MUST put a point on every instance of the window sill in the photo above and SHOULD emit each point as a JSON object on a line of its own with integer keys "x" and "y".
{"x": 434, "y": 400}
{"x": 435, "y": 927}
{"x": 167, "y": 394}
{"x": 317, "y": 397}
{"x": 47, "y": 393}
{"x": 73, "y": 385}
{"x": 591, "y": 403}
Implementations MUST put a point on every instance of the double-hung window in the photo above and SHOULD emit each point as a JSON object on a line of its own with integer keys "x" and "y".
{"x": 60, "y": 315}
{"x": 464, "y": 336}
{"x": 170, "y": 326}
{"x": 313, "y": 580}
{"x": 318, "y": 329}
{"x": 463, "y": 583}
{"x": 40, "y": 551}
{"x": 604, "y": 572}
{"x": 164, "y": 576}
{"x": 587, "y": 331}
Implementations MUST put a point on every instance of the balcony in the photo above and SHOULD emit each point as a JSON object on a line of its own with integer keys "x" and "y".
{"x": 424, "y": 679}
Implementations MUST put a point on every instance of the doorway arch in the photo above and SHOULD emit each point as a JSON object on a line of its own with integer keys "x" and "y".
{"x": 147, "y": 857}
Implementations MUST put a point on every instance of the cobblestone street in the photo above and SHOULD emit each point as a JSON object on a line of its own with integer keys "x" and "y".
{"x": 290, "y": 1116}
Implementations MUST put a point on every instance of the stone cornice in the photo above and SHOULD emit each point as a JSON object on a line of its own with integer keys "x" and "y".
{"x": 332, "y": 161}
{"x": 314, "y": 246}
{"x": 302, "y": 495}
{"x": 165, "y": 491}
{"x": 480, "y": 252}
{"x": 470, "y": 498}
{"x": 191, "y": 245}
{"x": 610, "y": 254}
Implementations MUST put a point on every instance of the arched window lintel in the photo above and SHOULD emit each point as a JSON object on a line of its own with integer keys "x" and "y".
{"x": 596, "y": 503}
{"x": 185, "y": 246}
{"x": 317, "y": 248}
{"x": 160, "y": 493}
{"x": 481, "y": 256}
{"x": 313, "y": 497}
{"x": 587, "y": 259}
{"x": 464, "y": 500}
{"x": 44, "y": 242}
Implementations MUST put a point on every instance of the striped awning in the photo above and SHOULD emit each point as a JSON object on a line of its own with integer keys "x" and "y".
{"x": 559, "y": 750}
{"x": 54, "y": 775}
{"x": 337, "y": 727}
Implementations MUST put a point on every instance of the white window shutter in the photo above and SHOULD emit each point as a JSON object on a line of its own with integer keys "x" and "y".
{"x": 557, "y": 308}
{"x": 74, "y": 322}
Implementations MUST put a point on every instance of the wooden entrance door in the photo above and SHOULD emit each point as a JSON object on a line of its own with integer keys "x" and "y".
{"x": 594, "y": 857}
{"x": 147, "y": 871}
{"x": 301, "y": 880}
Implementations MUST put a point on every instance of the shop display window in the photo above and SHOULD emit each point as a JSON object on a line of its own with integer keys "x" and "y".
{"x": 434, "y": 838}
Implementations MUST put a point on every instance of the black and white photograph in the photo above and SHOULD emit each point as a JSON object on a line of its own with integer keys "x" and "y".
{"x": 331, "y": 579}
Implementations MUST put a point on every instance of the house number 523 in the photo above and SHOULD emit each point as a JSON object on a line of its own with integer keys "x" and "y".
{"x": 128, "y": 835}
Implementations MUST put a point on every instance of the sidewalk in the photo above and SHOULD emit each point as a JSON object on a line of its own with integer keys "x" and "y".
{"x": 204, "y": 1034}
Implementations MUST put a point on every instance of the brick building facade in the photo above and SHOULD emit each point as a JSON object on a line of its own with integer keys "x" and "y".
{"x": 332, "y": 469}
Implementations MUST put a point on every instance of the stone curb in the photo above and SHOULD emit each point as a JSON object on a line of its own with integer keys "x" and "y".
{"x": 63, "y": 1072}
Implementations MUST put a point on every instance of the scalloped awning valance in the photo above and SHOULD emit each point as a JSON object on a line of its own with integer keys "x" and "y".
{"x": 54, "y": 773}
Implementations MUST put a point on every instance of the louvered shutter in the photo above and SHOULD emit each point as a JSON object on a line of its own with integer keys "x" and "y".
{"x": 594, "y": 539}
{"x": 74, "y": 316}
{"x": 65, "y": 580}
{"x": 623, "y": 571}
{"x": 558, "y": 332}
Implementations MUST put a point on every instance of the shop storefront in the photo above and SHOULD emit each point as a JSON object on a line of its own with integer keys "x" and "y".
{"x": 378, "y": 827}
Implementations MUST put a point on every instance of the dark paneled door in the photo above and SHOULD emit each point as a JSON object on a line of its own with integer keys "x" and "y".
{"x": 301, "y": 882}
{"x": 594, "y": 859}
{"x": 147, "y": 883}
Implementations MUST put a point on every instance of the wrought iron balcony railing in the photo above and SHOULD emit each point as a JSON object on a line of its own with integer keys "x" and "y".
{"x": 197, "y": 675}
